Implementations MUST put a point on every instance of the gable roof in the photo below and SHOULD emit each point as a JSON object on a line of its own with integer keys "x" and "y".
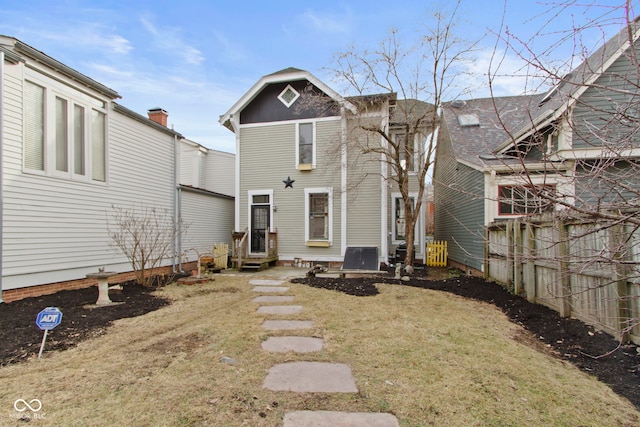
{"x": 564, "y": 94}
{"x": 285, "y": 75}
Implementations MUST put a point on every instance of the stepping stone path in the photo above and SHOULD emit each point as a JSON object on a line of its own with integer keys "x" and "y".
{"x": 307, "y": 377}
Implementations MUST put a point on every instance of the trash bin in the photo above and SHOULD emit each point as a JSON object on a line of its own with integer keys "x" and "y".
{"x": 401, "y": 253}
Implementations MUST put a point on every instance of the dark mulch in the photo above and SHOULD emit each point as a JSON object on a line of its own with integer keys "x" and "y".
{"x": 568, "y": 339}
{"x": 592, "y": 351}
{"x": 21, "y": 338}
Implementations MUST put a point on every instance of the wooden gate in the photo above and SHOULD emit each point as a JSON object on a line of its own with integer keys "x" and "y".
{"x": 437, "y": 254}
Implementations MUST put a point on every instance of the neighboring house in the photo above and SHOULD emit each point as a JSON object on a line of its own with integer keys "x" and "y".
{"x": 70, "y": 153}
{"x": 205, "y": 196}
{"x": 496, "y": 157}
{"x": 304, "y": 192}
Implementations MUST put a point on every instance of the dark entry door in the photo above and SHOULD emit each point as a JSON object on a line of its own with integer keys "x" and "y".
{"x": 259, "y": 227}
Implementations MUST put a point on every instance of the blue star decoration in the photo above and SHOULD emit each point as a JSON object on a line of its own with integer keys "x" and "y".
{"x": 288, "y": 182}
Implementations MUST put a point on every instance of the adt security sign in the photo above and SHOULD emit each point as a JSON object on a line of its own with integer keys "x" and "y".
{"x": 49, "y": 318}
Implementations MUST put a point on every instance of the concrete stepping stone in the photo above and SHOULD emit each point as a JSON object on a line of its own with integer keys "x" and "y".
{"x": 279, "y": 325}
{"x": 295, "y": 344}
{"x": 311, "y": 377}
{"x": 273, "y": 298}
{"x": 270, "y": 289}
{"x": 339, "y": 419}
{"x": 279, "y": 309}
{"x": 264, "y": 282}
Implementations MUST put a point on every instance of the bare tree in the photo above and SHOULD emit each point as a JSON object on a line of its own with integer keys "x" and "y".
{"x": 590, "y": 144}
{"x": 146, "y": 236}
{"x": 410, "y": 81}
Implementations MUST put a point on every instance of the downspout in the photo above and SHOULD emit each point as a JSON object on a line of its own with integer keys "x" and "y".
{"x": 176, "y": 209}
{"x": 1, "y": 160}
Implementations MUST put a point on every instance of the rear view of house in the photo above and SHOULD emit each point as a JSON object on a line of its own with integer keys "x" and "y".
{"x": 303, "y": 193}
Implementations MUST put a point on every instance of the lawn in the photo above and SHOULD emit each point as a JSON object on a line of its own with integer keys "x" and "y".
{"x": 429, "y": 357}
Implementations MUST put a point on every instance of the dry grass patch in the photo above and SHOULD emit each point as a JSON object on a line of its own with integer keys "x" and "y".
{"x": 428, "y": 357}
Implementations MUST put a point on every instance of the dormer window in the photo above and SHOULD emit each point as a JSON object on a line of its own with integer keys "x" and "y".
{"x": 288, "y": 96}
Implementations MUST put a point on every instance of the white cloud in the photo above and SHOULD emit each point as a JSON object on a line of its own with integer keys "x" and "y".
{"x": 169, "y": 39}
{"x": 325, "y": 23}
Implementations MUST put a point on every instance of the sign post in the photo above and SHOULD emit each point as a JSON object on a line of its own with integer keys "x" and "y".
{"x": 46, "y": 320}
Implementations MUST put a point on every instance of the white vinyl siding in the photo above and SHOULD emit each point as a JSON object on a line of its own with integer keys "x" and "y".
{"x": 209, "y": 219}
{"x": 55, "y": 229}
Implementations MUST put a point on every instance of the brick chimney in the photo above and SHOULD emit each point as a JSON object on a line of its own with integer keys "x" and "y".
{"x": 159, "y": 116}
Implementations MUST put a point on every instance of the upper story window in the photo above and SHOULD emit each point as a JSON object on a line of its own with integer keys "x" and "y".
{"x": 525, "y": 200}
{"x": 406, "y": 152}
{"x": 306, "y": 147}
{"x": 288, "y": 96}
{"x": 64, "y": 136}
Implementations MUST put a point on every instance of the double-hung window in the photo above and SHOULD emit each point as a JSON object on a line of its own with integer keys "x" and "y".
{"x": 65, "y": 133}
{"x": 406, "y": 151}
{"x": 525, "y": 200}
{"x": 318, "y": 212}
{"x": 306, "y": 145}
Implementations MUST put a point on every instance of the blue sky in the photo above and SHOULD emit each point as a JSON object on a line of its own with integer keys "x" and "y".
{"x": 195, "y": 59}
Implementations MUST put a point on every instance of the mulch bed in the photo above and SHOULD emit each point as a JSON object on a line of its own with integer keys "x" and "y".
{"x": 592, "y": 351}
{"x": 81, "y": 320}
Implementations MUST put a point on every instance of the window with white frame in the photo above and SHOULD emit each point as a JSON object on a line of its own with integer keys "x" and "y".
{"x": 306, "y": 146}
{"x": 65, "y": 136}
{"x": 318, "y": 212}
{"x": 525, "y": 200}
{"x": 399, "y": 225}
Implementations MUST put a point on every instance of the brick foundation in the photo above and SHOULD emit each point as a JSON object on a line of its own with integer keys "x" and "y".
{"x": 51, "y": 288}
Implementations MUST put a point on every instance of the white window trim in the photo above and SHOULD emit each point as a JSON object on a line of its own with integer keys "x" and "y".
{"x": 304, "y": 166}
{"x": 284, "y": 101}
{"x": 307, "y": 192}
{"x": 250, "y": 194}
{"x": 418, "y": 226}
{"x": 53, "y": 90}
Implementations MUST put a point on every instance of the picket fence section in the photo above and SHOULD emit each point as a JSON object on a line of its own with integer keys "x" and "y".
{"x": 578, "y": 268}
{"x": 437, "y": 254}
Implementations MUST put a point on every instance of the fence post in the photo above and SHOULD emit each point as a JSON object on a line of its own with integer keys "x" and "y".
{"x": 563, "y": 269}
{"x": 618, "y": 243}
{"x": 517, "y": 257}
{"x": 529, "y": 269}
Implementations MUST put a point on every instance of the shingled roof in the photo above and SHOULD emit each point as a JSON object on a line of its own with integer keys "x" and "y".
{"x": 476, "y": 129}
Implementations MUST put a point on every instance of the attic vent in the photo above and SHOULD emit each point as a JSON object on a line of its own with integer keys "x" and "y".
{"x": 468, "y": 120}
{"x": 458, "y": 103}
{"x": 288, "y": 96}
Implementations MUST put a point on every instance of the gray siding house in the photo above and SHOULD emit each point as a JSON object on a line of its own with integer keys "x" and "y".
{"x": 304, "y": 193}
{"x": 505, "y": 157}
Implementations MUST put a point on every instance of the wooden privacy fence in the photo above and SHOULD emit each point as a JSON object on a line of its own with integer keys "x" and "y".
{"x": 437, "y": 254}
{"x": 578, "y": 267}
